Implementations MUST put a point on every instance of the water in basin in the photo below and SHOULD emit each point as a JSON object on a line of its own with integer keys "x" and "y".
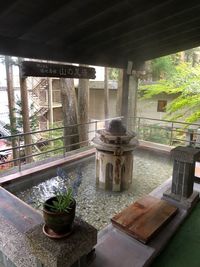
{"x": 94, "y": 205}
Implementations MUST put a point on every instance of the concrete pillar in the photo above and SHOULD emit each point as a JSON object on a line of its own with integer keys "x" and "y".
{"x": 132, "y": 101}
{"x": 129, "y": 96}
{"x": 125, "y": 94}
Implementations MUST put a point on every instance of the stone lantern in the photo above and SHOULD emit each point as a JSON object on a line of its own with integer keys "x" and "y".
{"x": 114, "y": 156}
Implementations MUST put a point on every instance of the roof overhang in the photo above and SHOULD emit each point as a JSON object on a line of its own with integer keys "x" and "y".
{"x": 93, "y": 32}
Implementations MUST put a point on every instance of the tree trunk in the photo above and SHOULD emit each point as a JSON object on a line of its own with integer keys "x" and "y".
{"x": 50, "y": 111}
{"x": 50, "y": 103}
{"x": 69, "y": 108}
{"x": 11, "y": 105}
{"x": 25, "y": 118}
{"x": 195, "y": 58}
{"x": 83, "y": 109}
{"x": 148, "y": 71}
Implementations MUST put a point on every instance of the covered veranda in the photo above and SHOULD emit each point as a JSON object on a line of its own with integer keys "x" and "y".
{"x": 121, "y": 34}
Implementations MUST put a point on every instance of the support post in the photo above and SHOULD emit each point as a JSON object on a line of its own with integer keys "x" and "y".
{"x": 129, "y": 96}
{"x": 119, "y": 93}
{"x": 132, "y": 101}
{"x": 106, "y": 95}
{"x": 125, "y": 93}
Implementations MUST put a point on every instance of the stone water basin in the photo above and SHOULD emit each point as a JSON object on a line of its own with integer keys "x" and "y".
{"x": 95, "y": 205}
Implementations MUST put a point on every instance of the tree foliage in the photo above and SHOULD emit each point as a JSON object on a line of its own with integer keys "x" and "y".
{"x": 19, "y": 118}
{"x": 162, "y": 67}
{"x": 184, "y": 82}
{"x": 113, "y": 74}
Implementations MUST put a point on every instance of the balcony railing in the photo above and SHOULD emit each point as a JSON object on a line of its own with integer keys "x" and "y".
{"x": 49, "y": 143}
{"x": 45, "y": 144}
{"x": 166, "y": 132}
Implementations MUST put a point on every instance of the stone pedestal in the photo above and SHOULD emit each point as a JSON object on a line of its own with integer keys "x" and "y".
{"x": 71, "y": 251}
{"x": 114, "y": 156}
{"x": 114, "y": 172}
{"x": 183, "y": 175}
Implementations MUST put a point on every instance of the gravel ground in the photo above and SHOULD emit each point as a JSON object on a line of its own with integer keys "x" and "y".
{"x": 97, "y": 206}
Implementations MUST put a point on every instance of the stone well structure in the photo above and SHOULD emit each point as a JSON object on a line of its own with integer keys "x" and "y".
{"x": 114, "y": 156}
{"x": 181, "y": 193}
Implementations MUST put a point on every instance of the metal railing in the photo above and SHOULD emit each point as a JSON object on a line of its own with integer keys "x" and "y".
{"x": 166, "y": 132}
{"x": 50, "y": 142}
{"x": 46, "y": 143}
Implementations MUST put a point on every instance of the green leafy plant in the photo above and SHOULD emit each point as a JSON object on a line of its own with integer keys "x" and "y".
{"x": 62, "y": 202}
{"x": 184, "y": 84}
{"x": 63, "y": 198}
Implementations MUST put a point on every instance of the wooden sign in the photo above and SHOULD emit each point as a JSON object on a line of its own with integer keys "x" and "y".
{"x": 41, "y": 69}
{"x": 144, "y": 218}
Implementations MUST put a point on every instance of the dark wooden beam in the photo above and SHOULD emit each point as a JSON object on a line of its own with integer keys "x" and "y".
{"x": 169, "y": 50}
{"x": 173, "y": 40}
{"x": 167, "y": 26}
{"x": 110, "y": 15}
{"x": 156, "y": 13}
{"x": 66, "y": 18}
{"x": 157, "y": 41}
{"x": 152, "y": 40}
{"x": 6, "y": 6}
{"x": 165, "y": 48}
{"x": 25, "y": 49}
{"x": 24, "y": 14}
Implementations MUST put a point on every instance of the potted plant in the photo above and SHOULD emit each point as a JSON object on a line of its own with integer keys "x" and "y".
{"x": 59, "y": 210}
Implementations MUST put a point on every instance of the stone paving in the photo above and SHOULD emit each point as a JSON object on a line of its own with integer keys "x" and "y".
{"x": 97, "y": 206}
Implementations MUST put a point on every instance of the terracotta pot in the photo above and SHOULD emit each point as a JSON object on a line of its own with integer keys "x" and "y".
{"x": 59, "y": 222}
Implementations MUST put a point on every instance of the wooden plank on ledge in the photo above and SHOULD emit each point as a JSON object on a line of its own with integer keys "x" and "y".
{"x": 144, "y": 218}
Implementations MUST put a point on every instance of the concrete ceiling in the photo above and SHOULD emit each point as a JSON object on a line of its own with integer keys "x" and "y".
{"x": 98, "y": 32}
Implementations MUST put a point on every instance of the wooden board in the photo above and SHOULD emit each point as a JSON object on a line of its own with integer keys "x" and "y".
{"x": 144, "y": 218}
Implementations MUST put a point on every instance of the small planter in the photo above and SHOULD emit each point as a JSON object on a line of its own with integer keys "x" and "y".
{"x": 60, "y": 222}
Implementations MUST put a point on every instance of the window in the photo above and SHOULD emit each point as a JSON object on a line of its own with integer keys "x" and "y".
{"x": 162, "y": 105}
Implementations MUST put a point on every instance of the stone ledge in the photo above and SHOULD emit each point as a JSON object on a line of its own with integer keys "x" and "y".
{"x": 181, "y": 202}
{"x": 66, "y": 251}
{"x": 117, "y": 249}
{"x": 13, "y": 245}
